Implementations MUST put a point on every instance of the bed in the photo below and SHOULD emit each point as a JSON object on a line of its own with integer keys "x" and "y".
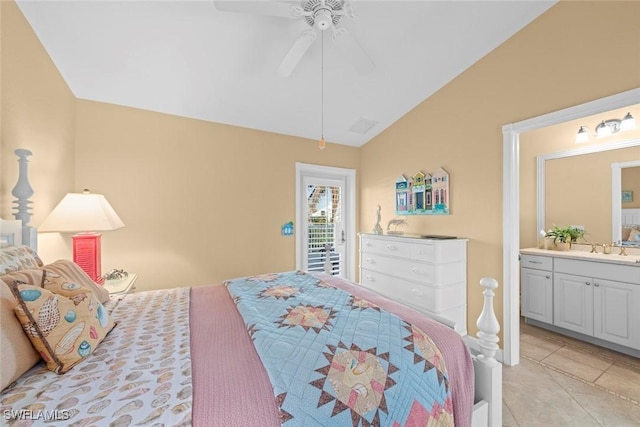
{"x": 284, "y": 348}
{"x": 630, "y": 227}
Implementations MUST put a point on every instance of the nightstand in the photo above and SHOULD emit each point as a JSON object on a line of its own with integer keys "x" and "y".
{"x": 121, "y": 286}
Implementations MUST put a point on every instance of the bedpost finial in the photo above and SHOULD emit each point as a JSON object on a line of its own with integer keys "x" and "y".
{"x": 488, "y": 322}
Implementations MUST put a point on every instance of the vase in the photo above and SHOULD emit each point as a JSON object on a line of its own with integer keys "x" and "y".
{"x": 563, "y": 246}
{"x": 548, "y": 243}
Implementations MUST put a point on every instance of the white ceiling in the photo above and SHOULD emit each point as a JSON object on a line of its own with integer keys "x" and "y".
{"x": 189, "y": 59}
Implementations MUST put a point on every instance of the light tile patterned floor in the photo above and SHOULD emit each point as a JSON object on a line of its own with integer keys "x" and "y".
{"x": 562, "y": 381}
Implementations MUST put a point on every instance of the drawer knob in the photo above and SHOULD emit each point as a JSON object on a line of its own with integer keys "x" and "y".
{"x": 370, "y": 278}
{"x": 417, "y": 292}
{"x": 392, "y": 248}
{"x": 597, "y": 285}
{"x": 587, "y": 283}
{"x": 370, "y": 261}
{"x": 416, "y": 271}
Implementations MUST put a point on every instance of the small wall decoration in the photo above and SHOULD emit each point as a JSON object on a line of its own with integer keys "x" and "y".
{"x": 627, "y": 196}
{"x": 287, "y": 229}
{"x": 423, "y": 194}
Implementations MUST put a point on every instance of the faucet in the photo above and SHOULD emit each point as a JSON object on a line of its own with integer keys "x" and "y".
{"x": 606, "y": 249}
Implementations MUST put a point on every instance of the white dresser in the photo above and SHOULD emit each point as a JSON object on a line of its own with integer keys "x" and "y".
{"x": 593, "y": 297}
{"x": 429, "y": 275}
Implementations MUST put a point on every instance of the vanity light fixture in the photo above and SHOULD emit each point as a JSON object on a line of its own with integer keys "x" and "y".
{"x": 606, "y": 128}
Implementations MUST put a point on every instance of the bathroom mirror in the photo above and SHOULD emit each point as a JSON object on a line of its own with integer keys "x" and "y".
{"x": 583, "y": 187}
{"x": 625, "y": 177}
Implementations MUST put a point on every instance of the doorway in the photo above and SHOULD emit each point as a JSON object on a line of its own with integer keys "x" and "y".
{"x": 511, "y": 209}
{"x": 325, "y": 220}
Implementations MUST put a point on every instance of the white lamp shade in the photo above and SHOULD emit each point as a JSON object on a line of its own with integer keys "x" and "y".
{"x": 628, "y": 122}
{"x": 78, "y": 212}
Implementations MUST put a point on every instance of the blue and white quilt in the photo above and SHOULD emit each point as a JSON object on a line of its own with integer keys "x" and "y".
{"x": 336, "y": 359}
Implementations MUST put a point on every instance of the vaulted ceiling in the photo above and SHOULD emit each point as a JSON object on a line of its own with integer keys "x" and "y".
{"x": 192, "y": 59}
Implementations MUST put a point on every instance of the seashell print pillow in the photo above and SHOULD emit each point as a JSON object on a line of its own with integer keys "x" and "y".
{"x": 73, "y": 273}
{"x": 64, "y": 330}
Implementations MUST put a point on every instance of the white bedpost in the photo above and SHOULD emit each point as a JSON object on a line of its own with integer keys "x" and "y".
{"x": 488, "y": 371}
{"x": 23, "y": 191}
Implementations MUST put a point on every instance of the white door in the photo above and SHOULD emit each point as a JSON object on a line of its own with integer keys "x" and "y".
{"x": 325, "y": 218}
{"x": 616, "y": 314}
{"x": 573, "y": 303}
{"x": 537, "y": 294}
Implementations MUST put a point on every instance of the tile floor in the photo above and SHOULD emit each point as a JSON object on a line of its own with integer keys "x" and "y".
{"x": 562, "y": 381}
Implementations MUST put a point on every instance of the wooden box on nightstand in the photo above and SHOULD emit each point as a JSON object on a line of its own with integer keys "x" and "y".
{"x": 121, "y": 286}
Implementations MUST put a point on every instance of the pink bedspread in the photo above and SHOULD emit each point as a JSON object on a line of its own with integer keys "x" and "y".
{"x": 231, "y": 387}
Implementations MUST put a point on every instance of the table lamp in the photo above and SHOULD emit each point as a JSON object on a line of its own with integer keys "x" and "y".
{"x": 84, "y": 213}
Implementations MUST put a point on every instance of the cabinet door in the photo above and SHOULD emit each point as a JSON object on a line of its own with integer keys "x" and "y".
{"x": 573, "y": 302}
{"x": 537, "y": 294}
{"x": 616, "y": 314}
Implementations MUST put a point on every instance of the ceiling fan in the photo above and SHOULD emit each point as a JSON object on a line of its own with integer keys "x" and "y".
{"x": 320, "y": 15}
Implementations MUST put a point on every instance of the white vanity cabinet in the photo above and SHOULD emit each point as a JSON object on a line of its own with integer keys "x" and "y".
{"x": 537, "y": 287}
{"x": 589, "y": 302}
{"x": 429, "y": 275}
{"x": 597, "y": 297}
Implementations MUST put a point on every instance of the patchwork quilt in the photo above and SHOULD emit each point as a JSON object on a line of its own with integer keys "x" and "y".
{"x": 336, "y": 359}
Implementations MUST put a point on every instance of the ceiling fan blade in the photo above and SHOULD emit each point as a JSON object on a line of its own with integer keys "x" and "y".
{"x": 268, "y": 8}
{"x": 352, "y": 51}
{"x": 297, "y": 51}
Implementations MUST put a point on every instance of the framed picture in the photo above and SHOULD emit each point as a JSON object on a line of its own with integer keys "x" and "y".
{"x": 627, "y": 196}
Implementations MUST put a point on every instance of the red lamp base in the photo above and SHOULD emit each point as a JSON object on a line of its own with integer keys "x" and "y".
{"x": 87, "y": 254}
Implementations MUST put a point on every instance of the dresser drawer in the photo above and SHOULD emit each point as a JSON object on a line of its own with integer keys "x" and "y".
{"x": 423, "y": 272}
{"x": 433, "y": 299}
{"x": 537, "y": 262}
{"x": 416, "y": 249}
{"x": 386, "y": 247}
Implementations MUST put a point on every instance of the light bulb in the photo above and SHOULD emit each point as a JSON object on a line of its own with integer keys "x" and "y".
{"x": 322, "y": 144}
{"x": 582, "y": 135}
{"x": 603, "y": 130}
{"x": 628, "y": 122}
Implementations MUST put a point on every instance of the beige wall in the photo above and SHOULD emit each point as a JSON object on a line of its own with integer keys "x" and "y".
{"x": 578, "y": 189}
{"x": 202, "y": 202}
{"x": 549, "y": 65}
{"x": 38, "y": 113}
{"x": 631, "y": 182}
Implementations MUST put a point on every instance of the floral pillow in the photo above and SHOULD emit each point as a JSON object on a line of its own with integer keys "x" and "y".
{"x": 64, "y": 327}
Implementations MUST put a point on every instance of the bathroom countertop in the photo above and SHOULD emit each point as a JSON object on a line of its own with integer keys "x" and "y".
{"x": 631, "y": 259}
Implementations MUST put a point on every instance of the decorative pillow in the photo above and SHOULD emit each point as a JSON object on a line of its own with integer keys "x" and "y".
{"x": 14, "y": 258}
{"x": 69, "y": 277}
{"x": 625, "y": 232}
{"x": 73, "y": 273}
{"x": 63, "y": 329}
{"x": 634, "y": 236}
{"x": 17, "y": 354}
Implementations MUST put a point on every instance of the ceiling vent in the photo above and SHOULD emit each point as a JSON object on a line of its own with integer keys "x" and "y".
{"x": 362, "y": 125}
